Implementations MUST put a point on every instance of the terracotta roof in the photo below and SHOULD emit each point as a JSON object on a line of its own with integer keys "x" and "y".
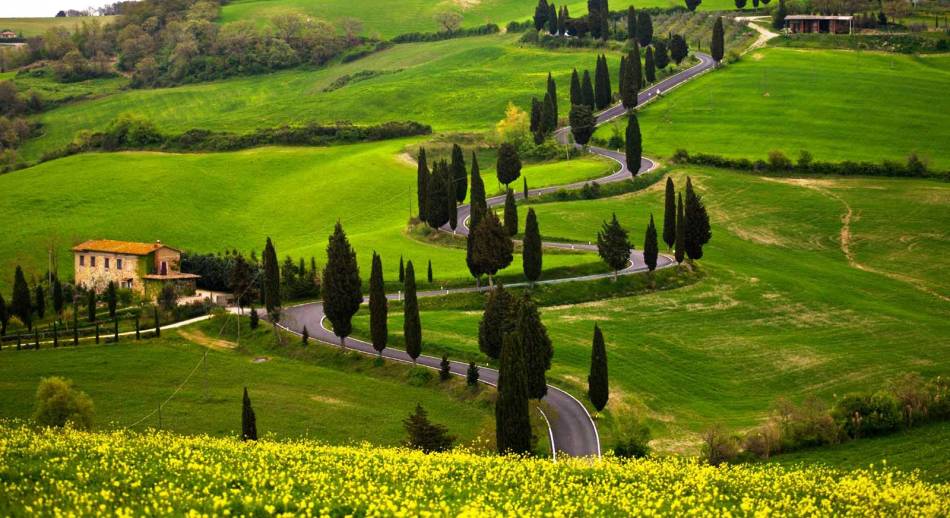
{"x": 119, "y": 247}
{"x": 172, "y": 276}
{"x": 816, "y": 17}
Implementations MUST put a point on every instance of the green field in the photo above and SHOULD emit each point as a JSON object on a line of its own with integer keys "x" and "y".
{"x": 224, "y": 201}
{"x": 838, "y": 105}
{"x": 780, "y": 310}
{"x": 37, "y": 26}
{"x": 315, "y": 392}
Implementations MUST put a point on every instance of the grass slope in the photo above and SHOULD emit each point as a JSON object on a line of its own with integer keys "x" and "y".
{"x": 37, "y": 26}
{"x": 838, "y": 105}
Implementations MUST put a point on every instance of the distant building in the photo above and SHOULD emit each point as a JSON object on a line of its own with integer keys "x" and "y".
{"x": 145, "y": 268}
{"x": 806, "y": 23}
{"x": 8, "y": 35}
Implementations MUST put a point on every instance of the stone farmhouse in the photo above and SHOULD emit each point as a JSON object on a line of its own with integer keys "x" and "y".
{"x": 144, "y": 268}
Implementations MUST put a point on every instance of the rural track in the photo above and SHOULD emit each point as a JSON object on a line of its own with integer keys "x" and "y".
{"x": 571, "y": 428}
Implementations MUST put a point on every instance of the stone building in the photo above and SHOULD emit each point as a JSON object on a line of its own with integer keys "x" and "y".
{"x": 805, "y": 23}
{"x": 144, "y": 268}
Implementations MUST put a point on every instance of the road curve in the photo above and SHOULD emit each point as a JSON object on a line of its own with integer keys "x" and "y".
{"x": 571, "y": 428}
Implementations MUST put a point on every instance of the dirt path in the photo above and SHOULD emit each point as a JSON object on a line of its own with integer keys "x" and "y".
{"x": 200, "y": 338}
{"x": 764, "y": 34}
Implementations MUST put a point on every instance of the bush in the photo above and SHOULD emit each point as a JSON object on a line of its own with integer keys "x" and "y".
{"x": 861, "y": 415}
{"x": 419, "y": 376}
{"x": 914, "y": 167}
{"x": 718, "y": 446}
{"x": 58, "y": 403}
{"x": 635, "y": 444}
{"x": 488, "y": 28}
{"x": 425, "y": 435}
{"x": 778, "y": 161}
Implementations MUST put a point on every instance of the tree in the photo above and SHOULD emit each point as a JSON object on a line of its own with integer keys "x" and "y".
{"x": 254, "y": 319}
{"x": 678, "y": 48}
{"x": 693, "y": 4}
{"x": 449, "y": 21}
{"x": 21, "y": 306}
{"x": 576, "y": 96}
{"x": 540, "y": 15}
{"x": 583, "y": 123}
{"x": 552, "y": 91}
{"x": 91, "y": 306}
{"x": 492, "y": 249}
{"x": 548, "y": 115}
{"x": 698, "y": 232}
{"x": 632, "y": 75}
{"x": 445, "y": 368}
{"x": 669, "y": 214}
{"x": 495, "y": 322}
{"x": 412, "y": 325}
{"x": 524, "y": 187}
{"x": 680, "y": 243}
{"x": 429, "y": 273}
{"x": 508, "y": 165}
{"x": 4, "y": 316}
{"x": 622, "y": 77}
{"x": 471, "y": 376}
{"x": 477, "y": 197}
{"x": 631, "y": 23}
{"x": 633, "y": 144}
{"x": 451, "y": 206}
{"x": 534, "y": 341}
{"x": 59, "y": 301}
{"x": 58, "y": 403}
{"x": 271, "y": 280}
{"x": 531, "y": 256}
{"x": 597, "y": 387}
{"x": 112, "y": 298}
{"x": 740, "y": 4}
{"x": 649, "y": 66}
{"x": 661, "y": 57}
{"x": 248, "y": 420}
{"x": 651, "y": 248}
{"x": 717, "y": 47}
{"x": 342, "y": 293}
{"x": 438, "y": 201}
{"x": 536, "y": 121}
{"x": 602, "y": 89}
{"x": 402, "y": 270}
{"x": 778, "y": 15}
{"x": 241, "y": 281}
{"x": 644, "y": 28}
{"x": 512, "y": 422}
{"x": 425, "y": 435}
{"x": 422, "y": 183}
{"x": 459, "y": 175}
{"x": 305, "y": 336}
{"x": 613, "y": 245}
{"x": 755, "y": 5}
{"x": 587, "y": 91}
{"x": 511, "y": 213}
{"x": 39, "y": 305}
{"x": 378, "y": 306}
{"x": 562, "y": 17}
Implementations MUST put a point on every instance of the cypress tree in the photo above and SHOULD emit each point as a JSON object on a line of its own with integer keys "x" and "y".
{"x": 459, "y": 175}
{"x": 471, "y": 377}
{"x": 305, "y": 336}
{"x": 271, "y": 280}
{"x": 511, "y": 214}
{"x": 254, "y": 318}
{"x": 341, "y": 285}
{"x": 669, "y": 214}
{"x": 524, "y": 187}
{"x": 552, "y": 20}
{"x": 531, "y": 255}
{"x": 634, "y": 144}
{"x": 587, "y": 91}
{"x": 631, "y": 82}
{"x": 115, "y": 330}
{"x": 552, "y": 91}
{"x": 534, "y": 341}
{"x": 631, "y": 23}
{"x": 91, "y": 305}
{"x": 445, "y": 368}
{"x": 717, "y": 47}
{"x": 583, "y": 123}
{"x": 492, "y": 249}
{"x": 601, "y": 84}
{"x": 112, "y": 298}
{"x": 548, "y": 115}
{"x": 496, "y": 321}
{"x": 40, "y": 305}
{"x": 4, "y": 316}
{"x": 644, "y": 28}
{"x": 593, "y": 18}
{"x": 621, "y": 77}
{"x": 597, "y": 387}
{"x": 680, "y": 243}
{"x": 540, "y": 15}
{"x": 437, "y": 206}
{"x": 613, "y": 245}
{"x": 508, "y": 166}
{"x": 604, "y": 23}
{"x": 576, "y": 96}
{"x": 429, "y": 273}
{"x": 477, "y": 197}
{"x": 158, "y": 324}
{"x": 512, "y": 422}
{"x": 562, "y": 18}
{"x": 651, "y": 248}
{"x": 473, "y": 268}
{"x": 649, "y": 66}
{"x": 535, "y": 124}
{"x": 422, "y": 183}
{"x": 697, "y": 232}
{"x": 678, "y": 48}
{"x": 778, "y": 16}
{"x": 248, "y": 420}
{"x": 21, "y": 305}
{"x": 412, "y": 325}
{"x": 402, "y": 270}
{"x": 59, "y": 302}
{"x": 425, "y": 435}
{"x": 76, "y": 325}
{"x": 378, "y": 306}
{"x": 660, "y": 56}
{"x": 451, "y": 206}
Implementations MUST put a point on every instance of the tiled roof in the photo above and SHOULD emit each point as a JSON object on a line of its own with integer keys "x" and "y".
{"x": 172, "y": 276}
{"x": 119, "y": 247}
{"x": 816, "y": 17}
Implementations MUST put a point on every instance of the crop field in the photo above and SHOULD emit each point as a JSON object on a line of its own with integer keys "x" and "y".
{"x": 792, "y": 301}
{"x": 223, "y": 201}
{"x": 838, "y": 105}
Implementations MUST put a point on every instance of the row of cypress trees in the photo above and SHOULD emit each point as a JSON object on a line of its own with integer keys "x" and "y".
{"x": 686, "y": 226}
{"x": 25, "y": 305}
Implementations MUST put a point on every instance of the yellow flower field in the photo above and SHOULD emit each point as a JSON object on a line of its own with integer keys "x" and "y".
{"x": 126, "y": 474}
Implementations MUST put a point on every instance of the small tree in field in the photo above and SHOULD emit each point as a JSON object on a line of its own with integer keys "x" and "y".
{"x": 613, "y": 245}
{"x": 21, "y": 305}
{"x": 248, "y": 420}
{"x": 471, "y": 376}
{"x": 511, "y": 213}
{"x": 305, "y": 336}
{"x": 669, "y": 214}
{"x": 58, "y": 403}
{"x": 445, "y": 368}
{"x": 598, "y": 390}
{"x": 378, "y": 306}
{"x": 39, "y": 305}
{"x": 412, "y": 325}
{"x": 583, "y": 123}
{"x": 425, "y": 435}
{"x": 678, "y": 48}
{"x": 496, "y": 321}
{"x": 342, "y": 287}
{"x": 698, "y": 232}
{"x": 532, "y": 253}
{"x": 651, "y": 248}
{"x": 508, "y": 166}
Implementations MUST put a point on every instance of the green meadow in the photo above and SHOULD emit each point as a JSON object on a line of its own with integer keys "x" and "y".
{"x": 37, "y": 26}
{"x": 838, "y": 105}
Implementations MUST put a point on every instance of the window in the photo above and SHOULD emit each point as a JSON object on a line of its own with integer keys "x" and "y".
{"x": 92, "y": 261}
{"x": 107, "y": 263}
{"x": 82, "y": 260}
{"x": 118, "y": 264}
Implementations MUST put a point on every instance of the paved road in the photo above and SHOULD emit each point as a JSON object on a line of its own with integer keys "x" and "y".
{"x": 571, "y": 428}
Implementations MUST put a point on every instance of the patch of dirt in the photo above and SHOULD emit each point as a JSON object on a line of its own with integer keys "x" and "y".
{"x": 328, "y": 400}
{"x": 260, "y": 359}
{"x": 407, "y": 159}
{"x": 200, "y": 338}
{"x": 760, "y": 236}
{"x": 467, "y": 4}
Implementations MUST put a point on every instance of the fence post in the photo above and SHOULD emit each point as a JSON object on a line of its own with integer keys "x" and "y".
{"x": 18, "y": 341}
{"x": 55, "y": 336}
{"x": 36, "y": 338}
{"x": 97, "y": 333}
{"x": 137, "y": 335}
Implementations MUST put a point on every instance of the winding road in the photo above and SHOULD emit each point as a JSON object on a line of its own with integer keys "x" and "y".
{"x": 571, "y": 429}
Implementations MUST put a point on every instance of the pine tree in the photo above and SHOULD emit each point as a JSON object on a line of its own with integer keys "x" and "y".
{"x": 552, "y": 91}
{"x": 597, "y": 387}
{"x": 660, "y": 56}
{"x": 634, "y": 144}
{"x": 631, "y": 82}
{"x": 59, "y": 302}
{"x": 613, "y": 245}
{"x": 534, "y": 341}
{"x": 492, "y": 249}
{"x": 540, "y": 15}
{"x": 496, "y": 321}
{"x": 91, "y": 306}
{"x": 587, "y": 91}
{"x": 631, "y": 23}
{"x": 112, "y": 298}
{"x": 271, "y": 280}
{"x": 402, "y": 270}
{"x": 429, "y": 273}
{"x": 649, "y": 66}
{"x": 651, "y": 248}
{"x": 717, "y": 47}
{"x": 21, "y": 306}
{"x": 531, "y": 255}
{"x": 512, "y": 422}
{"x": 697, "y": 232}
{"x": 445, "y": 368}
{"x": 508, "y": 166}
{"x": 511, "y": 213}
{"x": 459, "y": 174}
{"x": 576, "y": 96}
{"x": 644, "y": 28}
{"x": 680, "y": 243}
{"x": 583, "y": 123}
{"x": 471, "y": 376}
{"x": 437, "y": 204}
{"x": 669, "y": 214}
{"x": 305, "y": 336}
{"x": 40, "y": 303}
{"x": 477, "y": 198}
{"x": 4, "y": 316}
{"x": 378, "y": 306}
{"x": 248, "y": 420}
{"x": 341, "y": 284}
{"x": 425, "y": 435}
{"x": 412, "y": 325}
{"x": 422, "y": 183}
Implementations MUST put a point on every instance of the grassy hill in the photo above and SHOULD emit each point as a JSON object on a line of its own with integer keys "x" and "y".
{"x": 838, "y": 105}
{"x": 37, "y": 26}
{"x": 138, "y": 474}
{"x": 792, "y": 302}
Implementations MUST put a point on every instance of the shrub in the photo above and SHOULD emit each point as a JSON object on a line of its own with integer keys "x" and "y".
{"x": 635, "y": 444}
{"x": 862, "y": 415}
{"x": 425, "y": 435}
{"x": 764, "y": 441}
{"x": 488, "y": 28}
{"x": 804, "y": 160}
{"x": 718, "y": 446}
{"x": 58, "y": 403}
{"x": 778, "y": 161}
{"x": 419, "y": 376}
